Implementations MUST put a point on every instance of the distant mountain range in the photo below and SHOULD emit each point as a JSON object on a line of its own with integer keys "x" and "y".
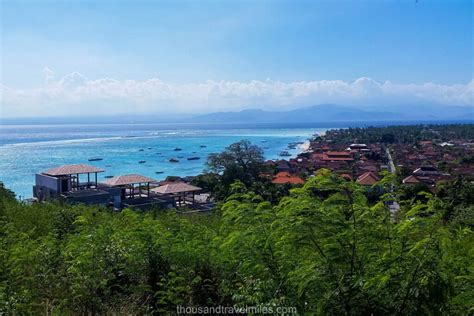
{"x": 338, "y": 113}
{"x": 328, "y": 113}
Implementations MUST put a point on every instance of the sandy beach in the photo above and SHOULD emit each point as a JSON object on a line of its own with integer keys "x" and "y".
{"x": 305, "y": 146}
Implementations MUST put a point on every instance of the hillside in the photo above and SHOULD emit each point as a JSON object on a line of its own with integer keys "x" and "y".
{"x": 336, "y": 113}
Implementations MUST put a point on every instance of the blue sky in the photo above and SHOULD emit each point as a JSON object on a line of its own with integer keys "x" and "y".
{"x": 184, "y": 43}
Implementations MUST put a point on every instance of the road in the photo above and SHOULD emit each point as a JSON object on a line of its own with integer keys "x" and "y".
{"x": 391, "y": 165}
{"x": 393, "y": 206}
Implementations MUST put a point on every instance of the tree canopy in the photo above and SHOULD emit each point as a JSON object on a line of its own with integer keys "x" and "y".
{"x": 240, "y": 161}
{"x": 323, "y": 248}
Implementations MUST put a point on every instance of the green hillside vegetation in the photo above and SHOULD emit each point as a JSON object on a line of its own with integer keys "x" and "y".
{"x": 408, "y": 134}
{"x": 322, "y": 248}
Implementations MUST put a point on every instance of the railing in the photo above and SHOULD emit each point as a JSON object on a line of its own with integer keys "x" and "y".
{"x": 83, "y": 186}
{"x": 146, "y": 202}
{"x": 85, "y": 192}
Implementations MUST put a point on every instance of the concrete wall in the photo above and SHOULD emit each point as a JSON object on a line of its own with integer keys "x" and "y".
{"x": 115, "y": 195}
{"x": 94, "y": 198}
{"x": 46, "y": 187}
{"x": 49, "y": 182}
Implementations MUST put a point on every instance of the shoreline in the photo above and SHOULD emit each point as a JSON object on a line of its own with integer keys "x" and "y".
{"x": 304, "y": 147}
{"x": 121, "y": 155}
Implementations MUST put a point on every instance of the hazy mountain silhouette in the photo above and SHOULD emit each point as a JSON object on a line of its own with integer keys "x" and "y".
{"x": 311, "y": 114}
{"x": 335, "y": 113}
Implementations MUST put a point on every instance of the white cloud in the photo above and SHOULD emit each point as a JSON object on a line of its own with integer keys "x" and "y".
{"x": 75, "y": 94}
{"x": 48, "y": 75}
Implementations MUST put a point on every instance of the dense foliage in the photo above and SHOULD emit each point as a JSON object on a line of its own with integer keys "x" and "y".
{"x": 241, "y": 161}
{"x": 410, "y": 134}
{"x": 323, "y": 249}
{"x": 244, "y": 162}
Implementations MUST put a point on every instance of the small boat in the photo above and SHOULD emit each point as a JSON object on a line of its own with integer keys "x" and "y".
{"x": 108, "y": 177}
{"x": 284, "y": 153}
{"x": 142, "y": 161}
{"x": 141, "y": 150}
{"x": 173, "y": 160}
{"x": 159, "y": 172}
{"x": 203, "y": 146}
{"x": 96, "y": 159}
{"x": 194, "y": 158}
{"x": 177, "y": 149}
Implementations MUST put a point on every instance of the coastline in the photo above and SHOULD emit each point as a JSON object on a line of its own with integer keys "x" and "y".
{"x": 305, "y": 146}
{"x": 122, "y": 154}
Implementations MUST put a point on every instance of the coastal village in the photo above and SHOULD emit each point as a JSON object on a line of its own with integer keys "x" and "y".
{"x": 426, "y": 163}
{"x": 246, "y": 158}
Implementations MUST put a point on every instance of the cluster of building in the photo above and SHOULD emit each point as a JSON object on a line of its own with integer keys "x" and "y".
{"x": 431, "y": 162}
{"x": 428, "y": 163}
{"x": 358, "y": 162}
{"x": 79, "y": 183}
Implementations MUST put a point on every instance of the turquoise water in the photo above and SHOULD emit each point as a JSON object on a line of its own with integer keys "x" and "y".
{"x": 26, "y": 150}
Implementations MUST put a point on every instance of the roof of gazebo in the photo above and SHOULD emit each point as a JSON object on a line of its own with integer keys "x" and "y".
{"x": 72, "y": 169}
{"x": 177, "y": 187}
{"x": 128, "y": 179}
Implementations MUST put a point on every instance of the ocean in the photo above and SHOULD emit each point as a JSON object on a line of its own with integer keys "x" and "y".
{"x": 29, "y": 149}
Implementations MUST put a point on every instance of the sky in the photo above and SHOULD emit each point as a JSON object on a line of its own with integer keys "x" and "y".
{"x": 81, "y": 58}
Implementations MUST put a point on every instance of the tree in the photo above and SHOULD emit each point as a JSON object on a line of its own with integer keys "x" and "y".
{"x": 249, "y": 247}
{"x": 388, "y": 138}
{"x": 240, "y": 161}
{"x": 210, "y": 182}
{"x": 322, "y": 248}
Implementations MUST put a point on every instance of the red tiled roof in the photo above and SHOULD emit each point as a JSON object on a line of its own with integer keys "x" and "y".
{"x": 338, "y": 153}
{"x": 326, "y": 158}
{"x": 285, "y": 177}
{"x": 177, "y": 187}
{"x": 128, "y": 179}
{"x": 318, "y": 156}
{"x": 166, "y": 182}
{"x": 72, "y": 169}
{"x": 282, "y": 174}
{"x": 337, "y": 156}
{"x": 338, "y": 159}
{"x": 368, "y": 178}
{"x": 410, "y": 179}
{"x": 368, "y": 168}
{"x": 346, "y": 176}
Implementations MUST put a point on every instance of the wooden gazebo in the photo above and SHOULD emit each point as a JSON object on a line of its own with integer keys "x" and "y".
{"x": 178, "y": 190}
{"x": 69, "y": 176}
{"x": 130, "y": 183}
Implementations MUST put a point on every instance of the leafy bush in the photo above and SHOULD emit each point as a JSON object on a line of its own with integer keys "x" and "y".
{"x": 322, "y": 248}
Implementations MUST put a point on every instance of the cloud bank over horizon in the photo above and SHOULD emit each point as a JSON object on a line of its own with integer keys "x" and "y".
{"x": 76, "y": 95}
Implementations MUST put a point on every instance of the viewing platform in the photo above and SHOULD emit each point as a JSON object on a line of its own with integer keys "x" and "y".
{"x": 78, "y": 184}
